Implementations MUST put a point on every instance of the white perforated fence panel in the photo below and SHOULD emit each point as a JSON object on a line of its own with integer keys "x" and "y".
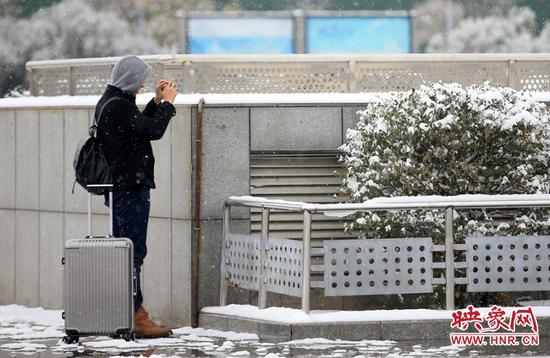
{"x": 81, "y": 80}
{"x": 310, "y": 74}
{"x": 517, "y": 263}
{"x": 266, "y": 77}
{"x": 378, "y": 266}
{"x": 403, "y": 76}
{"x": 53, "y": 82}
{"x": 241, "y": 263}
{"x": 86, "y": 80}
{"x": 530, "y": 76}
{"x": 284, "y": 274}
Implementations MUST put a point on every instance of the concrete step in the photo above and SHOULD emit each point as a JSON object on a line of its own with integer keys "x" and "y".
{"x": 395, "y": 330}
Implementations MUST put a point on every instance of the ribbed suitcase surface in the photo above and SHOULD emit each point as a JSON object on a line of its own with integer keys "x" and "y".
{"x": 98, "y": 283}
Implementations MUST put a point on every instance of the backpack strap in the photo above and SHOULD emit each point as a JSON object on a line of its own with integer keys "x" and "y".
{"x": 93, "y": 129}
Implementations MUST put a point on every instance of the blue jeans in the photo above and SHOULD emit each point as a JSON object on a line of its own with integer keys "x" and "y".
{"x": 130, "y": 219}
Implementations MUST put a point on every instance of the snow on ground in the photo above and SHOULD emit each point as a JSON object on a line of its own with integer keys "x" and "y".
{"x": 201, "y": 332}
{"x": 292, "y": 315}
{"x": 18, "y": 323}
{"x": 36, "y": 316}
{"x": 24, "y": 347}
{"x": 535, "y": 303}
{"x": 152, "y": 356}
{"x": 323, "y": 344}
{"x": 31, "y": 323}
{"x": 29, "y": 330}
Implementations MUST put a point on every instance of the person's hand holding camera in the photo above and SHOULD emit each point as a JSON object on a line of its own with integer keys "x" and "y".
{"x": 169, "y": 91}
{"x": 158, "y": 90}
{"x": 165, "y": 90}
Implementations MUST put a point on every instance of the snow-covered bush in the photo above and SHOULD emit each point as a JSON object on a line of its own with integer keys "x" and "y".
{"x": 428, "y": 20}
{"x": 448, "y": 140}
{"x": 73, "y": 28}
{"x": 511, "y": 33}
{"x": 69, "y": 29}
{"x": 542, "y": 42}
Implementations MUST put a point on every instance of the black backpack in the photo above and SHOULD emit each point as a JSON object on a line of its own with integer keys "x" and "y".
{"x": 90, "y": 165}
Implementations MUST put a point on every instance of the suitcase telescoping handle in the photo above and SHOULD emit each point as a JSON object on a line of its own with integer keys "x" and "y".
{"x": 110, "y": 188}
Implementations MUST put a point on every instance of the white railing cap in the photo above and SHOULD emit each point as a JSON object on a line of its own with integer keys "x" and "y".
{"x": 415, "y": 57}
{"x": 400, "y": 203}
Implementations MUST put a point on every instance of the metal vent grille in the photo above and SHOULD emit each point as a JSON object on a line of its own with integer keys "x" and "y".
{"x": 309, "y": 178}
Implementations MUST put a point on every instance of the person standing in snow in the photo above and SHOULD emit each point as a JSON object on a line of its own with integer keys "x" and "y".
{"x": 125, "y": 135}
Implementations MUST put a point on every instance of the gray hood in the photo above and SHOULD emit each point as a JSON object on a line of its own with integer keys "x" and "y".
{"x": 129, "y": 72}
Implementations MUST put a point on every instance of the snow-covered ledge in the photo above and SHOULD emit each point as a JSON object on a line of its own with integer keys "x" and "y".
{"x": 297, "y": 316}
{"x": 217, "y": 99}
{"x": 209, "y": 99}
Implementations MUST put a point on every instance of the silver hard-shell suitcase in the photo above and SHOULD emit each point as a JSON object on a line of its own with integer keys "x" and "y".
{"x": 99, "y": 284}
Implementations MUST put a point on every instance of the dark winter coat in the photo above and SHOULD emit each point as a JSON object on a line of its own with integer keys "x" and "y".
{"x": 125, "y": 135}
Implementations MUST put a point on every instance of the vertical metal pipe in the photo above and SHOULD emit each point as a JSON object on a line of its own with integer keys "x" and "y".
{"x": 449, "y": 260}
{"x": 89, "y": 214}
{"x": 306, "y": 262}
{"x": 264, "y": 245}
{"x": 196, "y": 244}
{"x": 111, "y": 208}
{"x": 226, "y": 216}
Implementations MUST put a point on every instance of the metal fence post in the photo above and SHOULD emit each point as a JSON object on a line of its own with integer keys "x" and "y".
{"x": 306, "y": 262}
{"x": 449, "y": 260}
{"x": 513, "y": 75}
{"x": 352, "y": 76}
{"x": 33, "y": 83}
{"x": 264, "y": 245}
{"x": 225, "y": 246}
{"x": 72, "y": 82}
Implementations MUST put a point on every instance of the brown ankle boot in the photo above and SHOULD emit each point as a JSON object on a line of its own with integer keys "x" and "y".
{"x": 144, "y": 327}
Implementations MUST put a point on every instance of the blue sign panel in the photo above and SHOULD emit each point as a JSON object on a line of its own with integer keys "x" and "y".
{"x": 359, "y": 35}
{"x": 240, "y": 36}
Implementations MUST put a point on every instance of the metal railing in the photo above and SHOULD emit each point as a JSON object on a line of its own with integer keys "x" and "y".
{"x": 299, "y": 73}
{"x": 257, "y": 258}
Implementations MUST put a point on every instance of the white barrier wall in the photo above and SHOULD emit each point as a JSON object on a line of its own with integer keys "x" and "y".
{"x": 38, "y": 212}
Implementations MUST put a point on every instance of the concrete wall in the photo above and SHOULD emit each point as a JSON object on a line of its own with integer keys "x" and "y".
{"x": 230, "y": 134}
{"x": 38, "y": 212}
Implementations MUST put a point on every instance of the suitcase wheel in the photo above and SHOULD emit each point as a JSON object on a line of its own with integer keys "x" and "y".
{"x": 70, "y": 339}
{"x": 128, "y": 336}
